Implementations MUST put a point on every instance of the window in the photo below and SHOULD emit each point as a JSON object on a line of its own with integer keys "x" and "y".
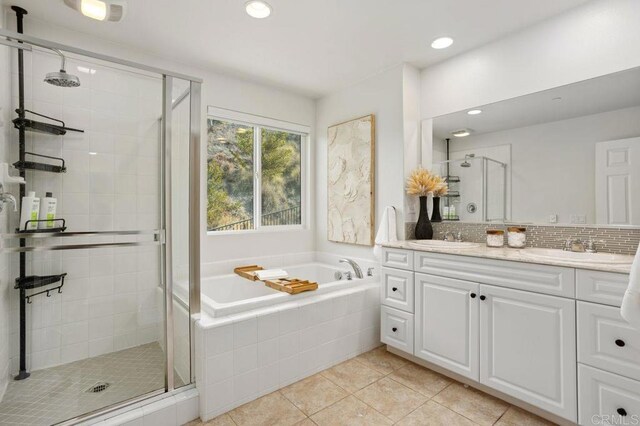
{"x": 255, "y": 174}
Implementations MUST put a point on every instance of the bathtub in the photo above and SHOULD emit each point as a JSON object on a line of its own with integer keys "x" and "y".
{"x": 230, "y": 294}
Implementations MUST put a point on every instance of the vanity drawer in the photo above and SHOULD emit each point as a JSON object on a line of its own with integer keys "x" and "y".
{"x": 607, "y": 341}
{"x": 397, "y": 258}
{"x": 554, "y": 280}
{"x": 600, "y": 286}
{"x": 605, "y": 394}
{"x": 397, "y": 329}
{"x": 397, "y": 289}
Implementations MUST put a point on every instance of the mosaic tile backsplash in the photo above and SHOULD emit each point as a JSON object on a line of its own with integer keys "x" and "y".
{"x": 608, "y": 240}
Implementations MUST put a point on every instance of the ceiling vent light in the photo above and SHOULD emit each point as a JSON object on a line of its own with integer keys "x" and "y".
{"x": 442, "y": 43}
{"x": 474, "y": 112}
{"x": 100, "y": 10}
{"x": 257, "y": 9}
{"x": 461, "y": 133}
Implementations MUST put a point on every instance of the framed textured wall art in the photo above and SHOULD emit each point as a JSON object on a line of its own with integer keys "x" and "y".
{"x": 351, "y": 183}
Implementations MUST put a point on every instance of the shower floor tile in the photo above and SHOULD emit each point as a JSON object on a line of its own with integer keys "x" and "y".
{"x": 59, "y": 393}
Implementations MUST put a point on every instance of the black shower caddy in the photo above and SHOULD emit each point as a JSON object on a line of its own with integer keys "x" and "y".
{"x": 47, "y": 284}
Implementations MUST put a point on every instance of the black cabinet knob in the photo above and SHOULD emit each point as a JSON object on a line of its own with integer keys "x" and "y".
{"x": 483, "y": 297}
{"x": 621, "y": 411}
{"x": 394, "y": 329}
{"x": 620, "y": 342}
{"x": 473, "y": 295}
{"x": 394, "y": 289}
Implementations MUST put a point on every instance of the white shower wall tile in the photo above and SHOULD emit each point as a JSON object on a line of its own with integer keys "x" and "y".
{"x": 246, "y": 356}
{"x": 108, "y": 300}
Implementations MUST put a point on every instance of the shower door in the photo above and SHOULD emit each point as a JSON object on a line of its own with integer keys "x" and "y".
{"x": 102, "y": 295}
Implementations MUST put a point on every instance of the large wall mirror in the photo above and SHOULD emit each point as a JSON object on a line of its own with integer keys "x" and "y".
{"x": 569, "y": 155}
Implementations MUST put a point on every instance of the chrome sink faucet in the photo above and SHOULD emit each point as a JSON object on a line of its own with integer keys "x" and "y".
{"x": 574, "y": 244}
{"x": 451, "y": 237}
{"x": 356, "y": 268}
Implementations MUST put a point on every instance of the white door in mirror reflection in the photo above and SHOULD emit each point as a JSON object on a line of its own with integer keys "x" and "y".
{"x": 618, "y": 182}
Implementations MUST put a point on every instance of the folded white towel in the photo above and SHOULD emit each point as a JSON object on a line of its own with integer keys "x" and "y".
{"x": 271, "y": 274}
{"x": 630, "y": 309}
{"x": 387, "y": 231}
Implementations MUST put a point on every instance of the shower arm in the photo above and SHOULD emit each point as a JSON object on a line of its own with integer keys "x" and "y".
{"x": 62, "y": 57}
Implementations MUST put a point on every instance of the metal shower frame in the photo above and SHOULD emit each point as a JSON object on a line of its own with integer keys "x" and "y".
{"x": 485, "y": 192}
{"x": 164, "y": 239}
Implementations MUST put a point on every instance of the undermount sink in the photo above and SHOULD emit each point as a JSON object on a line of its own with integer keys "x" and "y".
{"x": 578, "y": 257}
{"x": 443, "y": 244}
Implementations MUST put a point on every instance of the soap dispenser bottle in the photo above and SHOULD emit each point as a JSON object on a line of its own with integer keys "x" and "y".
{"x": 29, "y": 211}
{"x": 47, "y": 211}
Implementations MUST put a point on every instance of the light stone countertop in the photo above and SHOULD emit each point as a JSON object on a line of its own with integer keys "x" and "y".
{"x": 515, "y": 255}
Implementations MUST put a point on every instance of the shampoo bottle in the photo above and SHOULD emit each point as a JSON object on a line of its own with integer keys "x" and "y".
{"x": 29, "y": 211}
{"x": 47, "y": 211}
{"x": 452, "y": 212}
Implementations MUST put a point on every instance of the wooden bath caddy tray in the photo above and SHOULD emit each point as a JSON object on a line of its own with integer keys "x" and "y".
{"x": 288, "y": 285}
{"x": 248, "y": 272}
{"x": 292, "y": 285}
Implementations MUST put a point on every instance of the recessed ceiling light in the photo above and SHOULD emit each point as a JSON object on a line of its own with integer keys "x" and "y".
{"x": 461, "y": 133}
{"x": 557, "y": 99}
{"x": 442, "y": 43}
{"x": 257, "y": 9}
{"x": 93, "y": 153}
{"x": 100, "y": 10}
{"x": 474, "y": 112}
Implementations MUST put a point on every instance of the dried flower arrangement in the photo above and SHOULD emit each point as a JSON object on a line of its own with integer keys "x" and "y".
{"x": 422, "y": 182}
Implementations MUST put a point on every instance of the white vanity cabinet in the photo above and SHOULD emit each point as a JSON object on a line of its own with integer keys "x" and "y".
{"x": 446, "y": 331}
{"x": 512, "y": 327}
{"x": 528, "y": 348}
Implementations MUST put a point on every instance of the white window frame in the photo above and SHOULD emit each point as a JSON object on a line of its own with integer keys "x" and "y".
{"x": 260, "y": 122}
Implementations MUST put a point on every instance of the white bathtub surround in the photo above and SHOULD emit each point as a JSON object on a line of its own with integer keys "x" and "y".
{"x": 630, "y": 309}
{"x": 249, "y": 355}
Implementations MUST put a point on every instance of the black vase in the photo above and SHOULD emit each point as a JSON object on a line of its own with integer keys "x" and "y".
{"x": 435, "y": 215}
{"x": 424, "y": 230}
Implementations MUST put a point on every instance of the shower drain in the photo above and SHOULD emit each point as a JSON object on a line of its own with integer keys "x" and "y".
{"x": 98, "y": 387}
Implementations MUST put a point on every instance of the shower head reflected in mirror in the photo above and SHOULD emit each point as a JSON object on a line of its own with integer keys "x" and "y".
{"x": 62, "y": 78}
{"x": 466, "y": 163}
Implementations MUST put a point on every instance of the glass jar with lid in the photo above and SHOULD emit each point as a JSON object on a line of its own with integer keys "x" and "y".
{"x": 495, "y": 238}
{"x": 516, "y": 237}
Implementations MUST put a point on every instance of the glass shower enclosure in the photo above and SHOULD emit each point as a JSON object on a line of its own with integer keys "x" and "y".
{"x": 99, "y": 198}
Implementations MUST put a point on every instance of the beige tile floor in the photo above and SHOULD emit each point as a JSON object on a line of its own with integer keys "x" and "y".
{"x": 377, "y": 388}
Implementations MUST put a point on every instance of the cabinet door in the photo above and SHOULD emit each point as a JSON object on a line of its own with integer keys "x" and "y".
{"x": 528, "y": 348}
{"x": 446, "y": 323}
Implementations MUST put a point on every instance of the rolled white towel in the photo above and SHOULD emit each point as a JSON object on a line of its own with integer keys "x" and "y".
{"x": 271, "y": 274}
{"x": 386, "y": 231}
{"x": 630, "y": 309}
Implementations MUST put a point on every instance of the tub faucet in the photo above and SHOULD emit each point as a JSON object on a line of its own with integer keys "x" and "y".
{"x": 355, "y": 266}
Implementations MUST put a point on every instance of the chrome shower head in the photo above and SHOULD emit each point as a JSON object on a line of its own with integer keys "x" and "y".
{"x": 465, "y": 163}
{"x": 62, "y": 78}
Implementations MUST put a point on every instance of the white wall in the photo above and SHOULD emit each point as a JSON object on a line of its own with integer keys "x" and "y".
{"x": 380, "y": 95}
{"x": 564, "y": 183}
{"x": 412, "y": 142}
{"x": 598, "y": 38}
{"x": 226, "y": 92}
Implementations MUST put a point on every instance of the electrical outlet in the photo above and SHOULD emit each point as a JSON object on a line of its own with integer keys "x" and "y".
{"x": 578, "y": 218}
{"x": 553, "y": 218}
